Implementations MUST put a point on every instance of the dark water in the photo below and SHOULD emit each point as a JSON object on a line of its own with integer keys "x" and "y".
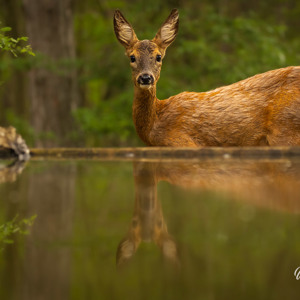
{"x": 218, "y": 229}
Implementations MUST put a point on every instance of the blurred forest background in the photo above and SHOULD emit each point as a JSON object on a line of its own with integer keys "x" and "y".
{"x": 77, "y": 89}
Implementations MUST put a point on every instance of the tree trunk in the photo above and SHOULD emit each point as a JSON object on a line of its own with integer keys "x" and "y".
{"x": 52, "y": 85}
{"x": 14, "y": 89}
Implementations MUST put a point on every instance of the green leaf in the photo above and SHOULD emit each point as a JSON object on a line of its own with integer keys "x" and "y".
{"x": 5, "y": 29}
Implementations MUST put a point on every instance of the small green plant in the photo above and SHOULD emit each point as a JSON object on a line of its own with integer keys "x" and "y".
{"x": 13, "y": 45}
{"x": 8, "y": 229}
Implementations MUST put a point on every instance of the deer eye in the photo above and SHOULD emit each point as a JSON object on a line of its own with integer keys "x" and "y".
{"x": 132, "y": 58}
{"x": 158, "y": 58}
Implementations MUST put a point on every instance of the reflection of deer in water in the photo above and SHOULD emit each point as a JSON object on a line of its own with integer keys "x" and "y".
{"x": 269, "y": 184}
{"x": 148, "y": 223}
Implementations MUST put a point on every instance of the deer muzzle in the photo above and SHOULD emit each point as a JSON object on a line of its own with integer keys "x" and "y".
{"x": 145, "y": 80}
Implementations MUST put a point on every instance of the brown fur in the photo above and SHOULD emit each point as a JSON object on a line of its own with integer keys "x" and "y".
{"x": 261, "y": 110}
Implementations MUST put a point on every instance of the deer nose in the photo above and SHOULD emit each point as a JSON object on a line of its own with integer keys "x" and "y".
{"x": 145, "y": 79}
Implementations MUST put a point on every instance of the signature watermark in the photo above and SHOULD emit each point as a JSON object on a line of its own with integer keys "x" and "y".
{"x": 297, "y": 273}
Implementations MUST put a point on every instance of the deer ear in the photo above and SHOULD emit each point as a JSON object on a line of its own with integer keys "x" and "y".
{"x": 125, "y": 251}
{"x": 168, "y": 31}
{"x": 123, "y": 30}
{"x": 169, "y": 250}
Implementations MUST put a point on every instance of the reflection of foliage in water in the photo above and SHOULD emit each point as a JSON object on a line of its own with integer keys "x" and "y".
{"x": 8, "y": 229}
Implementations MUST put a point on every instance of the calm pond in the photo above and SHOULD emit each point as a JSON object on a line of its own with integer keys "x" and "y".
{"x": 185, "y": 229}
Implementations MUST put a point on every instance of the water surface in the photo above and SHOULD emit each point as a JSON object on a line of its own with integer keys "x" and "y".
{"x": 188, "y": 229}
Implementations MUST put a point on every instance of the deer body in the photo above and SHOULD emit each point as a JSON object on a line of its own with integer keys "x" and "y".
{"x": 261, "y": 110}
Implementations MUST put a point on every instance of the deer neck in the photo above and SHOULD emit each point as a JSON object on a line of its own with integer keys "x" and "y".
{"x": 144, "y": 111}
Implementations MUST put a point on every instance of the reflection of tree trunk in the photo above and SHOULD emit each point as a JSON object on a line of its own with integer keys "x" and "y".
{"x": 47, "y": 261}
{"x": 52, "y": 88}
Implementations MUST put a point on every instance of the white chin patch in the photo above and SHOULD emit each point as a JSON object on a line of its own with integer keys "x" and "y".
{"x": 145, "y": 86}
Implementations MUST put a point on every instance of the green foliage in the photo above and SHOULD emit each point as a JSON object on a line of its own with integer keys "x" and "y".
{"x": 14, "y": 45}
{"x": 9, "y": 229}
{"x": 218, "y": 43}
{"x": 105, "y": 119}
{"x": 107, "y": 122}
{"x": 23, "y": 126}
{"x": 226, "y": 49}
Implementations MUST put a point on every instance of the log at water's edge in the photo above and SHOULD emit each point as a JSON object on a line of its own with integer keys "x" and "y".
{"x": 158, "y": 153}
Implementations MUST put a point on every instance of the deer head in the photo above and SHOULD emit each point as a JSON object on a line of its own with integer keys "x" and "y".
{"x": 146, "y": 56}
{"x": 147, "y": 224}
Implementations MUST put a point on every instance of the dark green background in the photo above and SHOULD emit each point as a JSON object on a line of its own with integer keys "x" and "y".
{"x": 219, "y": 42}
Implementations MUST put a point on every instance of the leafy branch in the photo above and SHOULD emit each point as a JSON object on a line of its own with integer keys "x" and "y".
{"x": 13, "y": 45}
{"x": 12, "y": 227}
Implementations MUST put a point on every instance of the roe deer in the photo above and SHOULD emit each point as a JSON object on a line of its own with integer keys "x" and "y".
{"x": 261, "y": 110}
